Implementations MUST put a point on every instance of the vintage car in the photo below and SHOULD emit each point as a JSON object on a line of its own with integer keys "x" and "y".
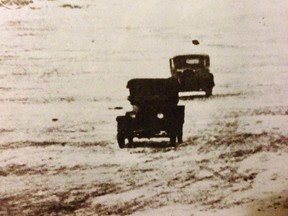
{"x": 155, "y": 112}
{"x": 192, "y": 72}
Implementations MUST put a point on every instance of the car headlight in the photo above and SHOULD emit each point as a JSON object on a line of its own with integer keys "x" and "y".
{"x": 160, "y": 115}
{"x": 133, "y": 115}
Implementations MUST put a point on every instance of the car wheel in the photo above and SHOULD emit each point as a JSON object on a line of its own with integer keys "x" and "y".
{"x": 208, "y": 92}
{"x": 180, "y": 135}
{"x": 130, "y": 141}
{"x": 173, "y": 140}
{"x": 121, "y": 140}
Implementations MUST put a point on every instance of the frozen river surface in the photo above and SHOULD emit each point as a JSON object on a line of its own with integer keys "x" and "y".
{"x": 63, "y": 72}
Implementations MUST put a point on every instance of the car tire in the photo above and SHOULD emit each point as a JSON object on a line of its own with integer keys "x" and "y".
{"x": 121, "y": 140}
{"x": 180, "y": 137}
{"x": 173, "y": 140}
{"x": 208, "y": 92}
{"x": 130, "y": 141}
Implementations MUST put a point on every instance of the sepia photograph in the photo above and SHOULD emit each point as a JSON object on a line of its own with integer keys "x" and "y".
{"x": 143, "y": 107}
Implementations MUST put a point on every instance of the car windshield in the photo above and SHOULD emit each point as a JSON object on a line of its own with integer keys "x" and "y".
{"x": 192, "y": 61}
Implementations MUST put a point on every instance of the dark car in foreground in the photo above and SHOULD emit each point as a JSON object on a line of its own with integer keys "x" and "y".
{"x": 155, "y": 112}
{"x": 192, "y": 72}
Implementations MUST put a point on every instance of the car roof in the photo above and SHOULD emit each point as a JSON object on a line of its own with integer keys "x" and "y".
{"x": 191, "y": 56}
{"x": 153, "y": 90}
{"x": 150, "y": 82}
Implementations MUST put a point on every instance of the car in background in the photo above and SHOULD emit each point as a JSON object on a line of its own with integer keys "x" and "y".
{"x": 193, "y": 73}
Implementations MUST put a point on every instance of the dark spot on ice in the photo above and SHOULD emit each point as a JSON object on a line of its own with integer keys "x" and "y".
{"x": 71, "y": 6}
{"x": 55, "y": 119}
{"x": 195, "y": 42}
{"x": 3, "y": 173}
{"x": 118, "y": 108}
{"x": 238, "y": 153}
{"x": 250, "y": 177}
